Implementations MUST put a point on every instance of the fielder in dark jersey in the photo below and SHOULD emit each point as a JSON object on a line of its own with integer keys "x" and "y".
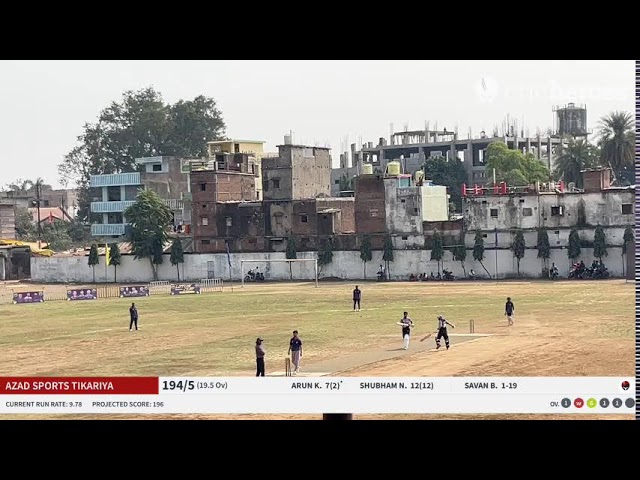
{"x": 133, "y": 313}
{"x": 357, "y": 295}
{"x": 442, "y": 332}
{"x": 407, "y": 323}
{"x": 509, "y": 308}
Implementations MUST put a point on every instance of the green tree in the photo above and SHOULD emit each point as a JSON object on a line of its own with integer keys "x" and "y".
{"x": 573, "y": 249}
{"x": 25, "y": 226}
{"x": 94, "y": 259}
{"x": 142, "y": 124}
{"x": 616, "y": 138}
{"x": 387, "y": 253}
{"x": 599, "y": 243}
{"x": 291, "y": 254}
{"x": 115, "y": 259}
{"x": 478, "y": 250}
{"x": 459, "y": 253}
{"x": 627, "y": 237}
{"x": 518, "y": 247}
{"x": 513, "y": 166}
{"x": 544, "y": 247}
{"x": 177, "y": 254}
{"x": 325, "y": 254}
{"x": 449, "y": 173}
{"x": 576, "y": 156}
{"x": 57, "y": 236}
{"x": 149, "y": 218}
{"x": 366, "y": 255}
{"x": 437, "y": 249}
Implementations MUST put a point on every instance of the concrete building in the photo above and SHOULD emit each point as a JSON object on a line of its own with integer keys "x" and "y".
{"x": 412, "y": 148}
{"x": 370, "y": 205}
{"x": 252, "y": 147}
{"x": 170, "y": 180}
{"x": 398, "y": 204}
{"x": 217, "y": 193}
{"x": 114, "y": 194}
{"x": 65, "y": 199}
{"x": 7, "y": 221}
{"x": 298, "y": 173}
{"x": 557, "y": 211}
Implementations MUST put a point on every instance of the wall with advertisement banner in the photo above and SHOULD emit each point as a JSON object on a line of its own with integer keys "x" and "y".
{"x": 82, "y": 294}
{"x": 134, "y": 291}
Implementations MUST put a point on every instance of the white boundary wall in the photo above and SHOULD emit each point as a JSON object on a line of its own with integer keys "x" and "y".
{"x": 346, "y": 265}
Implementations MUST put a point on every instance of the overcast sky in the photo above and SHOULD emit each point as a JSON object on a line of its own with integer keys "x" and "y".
{"x": 44, "y": 104}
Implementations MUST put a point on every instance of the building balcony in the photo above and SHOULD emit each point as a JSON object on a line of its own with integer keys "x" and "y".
{"x": 115, "y": 180}
{"x": 107, "y": 229}
{"x": 110, "y": 207}
{"x": 174, "y": 204}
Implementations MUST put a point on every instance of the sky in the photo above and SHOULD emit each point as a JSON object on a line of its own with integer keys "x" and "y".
{"x": 44, "y": 104}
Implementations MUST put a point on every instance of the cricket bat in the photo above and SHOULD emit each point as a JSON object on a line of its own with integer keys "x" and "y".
{"x": 425, "y": 337}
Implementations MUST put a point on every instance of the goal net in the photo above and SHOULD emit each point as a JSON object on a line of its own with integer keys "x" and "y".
{"x": 279, "y": 270}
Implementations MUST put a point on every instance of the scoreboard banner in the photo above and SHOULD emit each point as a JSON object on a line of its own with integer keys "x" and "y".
{"x": 317, "y": 395}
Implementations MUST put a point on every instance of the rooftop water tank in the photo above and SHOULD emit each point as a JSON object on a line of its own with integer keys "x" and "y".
{"x": 419, "y": 176}
{"x": 367, "y": 169}
{"x": 393, "y": 169}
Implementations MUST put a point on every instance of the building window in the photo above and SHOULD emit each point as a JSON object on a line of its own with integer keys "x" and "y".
{"x": 156, "y": 167}
{"x": 402, "y": 200}
{"x": 204, "y": 221}
{"x": 627, "y": 208}
{"x": 236, "y": 148}
{"x": 557, "y": 232}
{"x": 527, "y": 212}
{"x": 557, "y": 211}
{"x": 203, "y": 187}
{"x": 415, "y": 210}
{"x": 336, "y": 182}
{"x": 304, "y": 218}
{"x": 276, "y": 183}
{"x": 494, "y": 213}
{"x": 204, "y": 242}
{"x": 229, "y": 221}
{"x": 522, "y": 200}
{"x": 405, "y": 238}
{"x": 373, "y": 212}
{"x": 484, "y": 235}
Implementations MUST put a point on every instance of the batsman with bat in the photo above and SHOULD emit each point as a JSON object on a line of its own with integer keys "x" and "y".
{"x": 406, "y": 324}
{"x": 442, "y": 332}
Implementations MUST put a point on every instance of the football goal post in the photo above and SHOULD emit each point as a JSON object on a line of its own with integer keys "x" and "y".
{"x": 249, "y": 264}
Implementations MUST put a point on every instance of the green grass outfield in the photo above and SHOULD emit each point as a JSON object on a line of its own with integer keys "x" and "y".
{"x": 215, "y": 333}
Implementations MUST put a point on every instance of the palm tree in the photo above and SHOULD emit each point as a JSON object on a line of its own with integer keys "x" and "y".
{"x": 617, "y": 143}
{"x": 575, "y": 156}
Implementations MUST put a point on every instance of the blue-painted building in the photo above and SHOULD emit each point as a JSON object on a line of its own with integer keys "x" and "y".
{"x": 118, "y": 192}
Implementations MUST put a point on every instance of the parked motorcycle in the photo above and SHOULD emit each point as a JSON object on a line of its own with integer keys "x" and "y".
{"x": 252, "y": 276}
{"x": 447, "y": 275}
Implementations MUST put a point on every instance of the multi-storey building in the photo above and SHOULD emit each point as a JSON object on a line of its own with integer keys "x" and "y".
{"x": 218, "y": 188}
{"x": 253, "y": 147}
{"x": 114, "y": 194}
{"x": 553, "y": 208}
